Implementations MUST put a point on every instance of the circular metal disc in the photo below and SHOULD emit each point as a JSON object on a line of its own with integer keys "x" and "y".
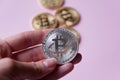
{"x": 61, "y": 44}
{"x": 44, "y": 21}
{"x": 67, "y": 16}
{"x": 52, "y": 4}
{"x": 74, "y": 32}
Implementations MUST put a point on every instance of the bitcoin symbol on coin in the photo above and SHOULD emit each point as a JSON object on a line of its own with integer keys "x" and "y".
{"x": 61, "y": 44}
{"x": 44, "y": 21}
{"x": 58, "y": 43}
{"x": 67, "y": 16}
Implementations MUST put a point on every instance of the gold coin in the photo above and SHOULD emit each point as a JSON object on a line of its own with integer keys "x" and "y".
{"x": 67, "y": 16}
{"x": 44, "y": 21}
{"x": 74, "y": 32}
{"x": 52, "y": 4}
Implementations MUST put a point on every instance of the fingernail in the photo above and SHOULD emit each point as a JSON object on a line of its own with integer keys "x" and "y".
{"x": 50, "y": 63}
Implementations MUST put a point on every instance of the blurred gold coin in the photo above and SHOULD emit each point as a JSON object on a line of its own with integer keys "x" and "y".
{"x": 52, "y": 4}
{"x": 67, "y": 16}
{"x": 74, "y": 32}
{"x": 44, "y": 21}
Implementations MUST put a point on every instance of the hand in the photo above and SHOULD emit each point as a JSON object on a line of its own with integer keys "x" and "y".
{"x": 20, "y": 61}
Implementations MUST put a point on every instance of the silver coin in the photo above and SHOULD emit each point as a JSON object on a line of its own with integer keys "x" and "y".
{"x": 61, "y": 44}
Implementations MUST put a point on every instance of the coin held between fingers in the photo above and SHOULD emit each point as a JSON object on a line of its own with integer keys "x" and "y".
{"x": 60, "y": 44}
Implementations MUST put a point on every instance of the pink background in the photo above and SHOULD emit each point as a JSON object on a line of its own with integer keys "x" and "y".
{"x": 99, "y": 28}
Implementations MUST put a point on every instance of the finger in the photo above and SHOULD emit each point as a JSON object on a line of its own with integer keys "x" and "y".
{"x": 60, "y": 72}
{"x": 4, "y": 49}
{"x": 26, "y": 39}
{"x": 34, "y": 54}
{"x": 64, "y": 71}
{"x": 77, "y": 59}
{"x": 22, "y": 70}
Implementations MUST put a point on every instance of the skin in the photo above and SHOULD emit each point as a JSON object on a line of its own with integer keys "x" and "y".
{"x": 20, "y": 61}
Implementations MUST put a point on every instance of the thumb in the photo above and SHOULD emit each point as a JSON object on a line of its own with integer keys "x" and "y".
{"x": 30, "y": 70}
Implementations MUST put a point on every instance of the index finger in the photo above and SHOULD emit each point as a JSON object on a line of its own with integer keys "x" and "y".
{"x": 26, "y": 39}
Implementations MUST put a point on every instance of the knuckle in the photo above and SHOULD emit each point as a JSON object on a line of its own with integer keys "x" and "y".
{"x": 27, "y": 38}
{"x": 39, "y": 68}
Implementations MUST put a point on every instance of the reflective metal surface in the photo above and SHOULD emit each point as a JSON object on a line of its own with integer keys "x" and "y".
{"x": 75, "y": 32}
{"x": 61, "y": 44}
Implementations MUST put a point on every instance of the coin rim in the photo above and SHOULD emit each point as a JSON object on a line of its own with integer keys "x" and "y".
{"x": 75, "y": 32}
{"x": 67, "y": 60}
{"x": 64, "y": 25}
{"x": 46, "y": 14}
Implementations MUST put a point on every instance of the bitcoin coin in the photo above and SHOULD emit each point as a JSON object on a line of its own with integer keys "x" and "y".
{"x": 44, "y": 21}
{"x": 67, "y": 16}
{"x": 74, "y": 32}
{"x": 52, "y": 4}
{"x": 61, "y": 44}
